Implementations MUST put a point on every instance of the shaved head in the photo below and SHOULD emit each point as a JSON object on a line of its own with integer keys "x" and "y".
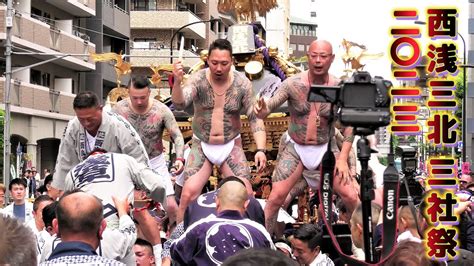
{"x": 321, "y": 45}
{"x": 320, "y": 58}
{"x": 232, "y": 195}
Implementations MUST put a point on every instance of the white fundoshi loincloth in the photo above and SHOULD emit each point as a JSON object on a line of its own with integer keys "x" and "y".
{"x": 218, "y": 153}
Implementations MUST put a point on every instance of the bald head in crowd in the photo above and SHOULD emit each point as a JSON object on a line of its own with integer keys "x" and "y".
{"x": 79, "y": 218}
{"x": 232, "y": 195}
{"x": 356, "y": 224}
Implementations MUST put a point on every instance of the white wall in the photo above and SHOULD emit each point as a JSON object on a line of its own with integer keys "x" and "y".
{"x": 23, "y": 75}
{"x": 63, "y": 84}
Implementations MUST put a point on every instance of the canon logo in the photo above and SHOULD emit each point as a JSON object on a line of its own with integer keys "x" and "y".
{"x": 390, "y": 204}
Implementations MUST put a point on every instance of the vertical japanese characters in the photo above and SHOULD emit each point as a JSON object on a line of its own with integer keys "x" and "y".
{"x": 442, "y": 66}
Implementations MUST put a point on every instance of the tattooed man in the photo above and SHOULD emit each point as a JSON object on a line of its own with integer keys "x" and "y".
{"x": 218, "y": 94}
{"x": 308, "y": 132}
{"x": 150, "y": 117}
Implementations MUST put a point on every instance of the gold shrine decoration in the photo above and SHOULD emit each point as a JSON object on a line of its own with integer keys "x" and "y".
{"x": 121, "y": 67}
{"x": 246, "y": 9}
{"x": 156, "y": 77}
{"x": 354, "y": 54}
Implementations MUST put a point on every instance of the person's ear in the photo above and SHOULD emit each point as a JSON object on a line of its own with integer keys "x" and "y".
{"x": 56, "y": 227}
{"x": 246, "y": 204}
{"x": 359, "y": 229}
{"x": 152, "y": 260}
{"x": 103, "y": 225}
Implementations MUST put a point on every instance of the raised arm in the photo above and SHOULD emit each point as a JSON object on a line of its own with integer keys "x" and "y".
{"x": 181, "y": 96}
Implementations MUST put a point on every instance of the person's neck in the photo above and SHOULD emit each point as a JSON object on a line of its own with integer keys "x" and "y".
{"x": 222, "y": 81}
{"x": 93, "y": 133}
{"x": 92, "y": 241}
{"x": 19, "y": 202}
{"x": 314, "y": 257}
{"x": 240, "y": 210}
{"x": 414, "y": 232}
{"x": 39, "y": 225}
{"x": 318, "y": 79}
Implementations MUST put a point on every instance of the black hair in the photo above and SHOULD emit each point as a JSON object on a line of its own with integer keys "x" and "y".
{"x": 144, "y": 243}
{"x": 49, "y": 213}
{"x": 17, "y": 181}
{"x": 85, "y": 99}
{"x": 311, "y": 234}
{"x": 139, "y": 82}
{"x": 221, "y": 44}
{"x": 40, "y": 199}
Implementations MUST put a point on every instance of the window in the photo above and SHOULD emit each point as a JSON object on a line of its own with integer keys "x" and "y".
{"x": 293, "y": 46}
{"x": 46, "y": 79}
{"x": 313, "y": 14}
{"x": 301, "y": 47}
{"x": 294, "y": 29}
{"x": 35, "y": 77}
{"x": 39, "y": 78}
{"x": 144, "y": 5}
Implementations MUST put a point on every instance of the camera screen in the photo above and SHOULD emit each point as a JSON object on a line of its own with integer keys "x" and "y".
{"x": 359, "y": 95}
{"x": 323, "y": 94}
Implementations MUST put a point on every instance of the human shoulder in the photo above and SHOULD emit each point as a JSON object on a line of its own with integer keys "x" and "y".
{"x": 121, "y": 106}
{"x": 114, "y": 119}
{"x": 196, "y": 77}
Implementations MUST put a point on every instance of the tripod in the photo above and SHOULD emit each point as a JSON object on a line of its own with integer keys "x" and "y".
{"x": 366, "y": 191}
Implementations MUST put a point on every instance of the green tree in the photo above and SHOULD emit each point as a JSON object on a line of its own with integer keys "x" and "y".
{"x": 459, "y": 95}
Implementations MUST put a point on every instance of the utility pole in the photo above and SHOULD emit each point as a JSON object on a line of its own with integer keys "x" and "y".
{"x": 6, "y": 98}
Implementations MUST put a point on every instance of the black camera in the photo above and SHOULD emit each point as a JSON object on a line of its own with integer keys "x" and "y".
{"x": 409, "y": 161}
{"x": 364, "y": 101}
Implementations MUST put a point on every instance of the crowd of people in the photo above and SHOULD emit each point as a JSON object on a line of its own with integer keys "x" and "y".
{"x": 113, "y": 200}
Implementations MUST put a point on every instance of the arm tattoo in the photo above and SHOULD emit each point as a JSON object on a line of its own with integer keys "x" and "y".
{"x": 280, "y": 96}
{"x": 175, "y": 134}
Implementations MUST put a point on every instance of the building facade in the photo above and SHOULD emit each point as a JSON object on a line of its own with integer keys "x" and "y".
{"x": 109, "y": 29}
{"x": 303, "y": 25}
{"x": 153, "y": 23}
{"x": 41, "y": 91}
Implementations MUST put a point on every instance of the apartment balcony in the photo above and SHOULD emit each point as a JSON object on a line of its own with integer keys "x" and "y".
{"x": 146, "y": 54}
{"x": 25, "y": 97}
{"x": 37, "y": 36}
{"x": 78, "y": 8}
{"x": 116, "y": 18}
{"x": 169, "y": 20}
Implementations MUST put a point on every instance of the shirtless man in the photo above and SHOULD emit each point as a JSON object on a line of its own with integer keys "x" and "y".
{"x": 308, "y": 133}
{"x": 150, "y": 117}
{"x": 218, "y": 94}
